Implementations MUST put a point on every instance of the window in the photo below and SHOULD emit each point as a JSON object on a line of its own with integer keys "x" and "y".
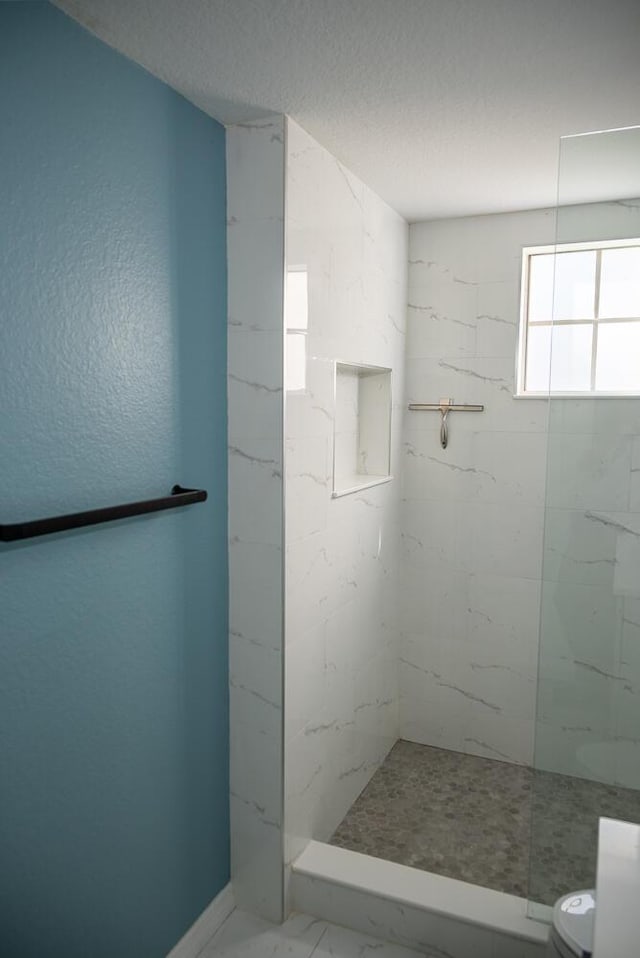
{"x": 297, "y": 321}
{"x": 588, "y": 296}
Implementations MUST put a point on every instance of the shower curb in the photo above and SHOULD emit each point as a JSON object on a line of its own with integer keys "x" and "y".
{"x": 430, "y": 913}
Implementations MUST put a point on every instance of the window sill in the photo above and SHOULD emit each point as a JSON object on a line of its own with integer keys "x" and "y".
{"x": 577, "y": 395}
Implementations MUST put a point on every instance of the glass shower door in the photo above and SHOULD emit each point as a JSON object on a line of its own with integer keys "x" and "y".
{"x": 587, "y": 730}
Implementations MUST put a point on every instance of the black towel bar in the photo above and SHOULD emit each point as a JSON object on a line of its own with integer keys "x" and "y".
{"x": 74, "y": 520}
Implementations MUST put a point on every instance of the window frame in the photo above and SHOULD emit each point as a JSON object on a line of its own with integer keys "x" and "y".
{"x": 523, "y": 323}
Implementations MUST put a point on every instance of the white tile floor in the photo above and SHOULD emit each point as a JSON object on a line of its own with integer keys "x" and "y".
{"x": 245, "y": 936}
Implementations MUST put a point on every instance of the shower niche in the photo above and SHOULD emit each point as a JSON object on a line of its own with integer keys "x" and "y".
{"x": 362, "y": 427}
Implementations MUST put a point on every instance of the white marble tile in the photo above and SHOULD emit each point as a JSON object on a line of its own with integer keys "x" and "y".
{"x": 501, "y": 737}
{"x": 254, "y": 383}
{"x": 435, "y": 709}
{"x": 301, "y": 936}
{"x": 502, "y": 540}
{"x": 430, "y": 472}
{"x": 309, "y": 572}
{"x": 510, "y": 467}
{"x": 579, "y": 549}
{"x": 242, "y": 737}
{"x": 339, "y": 942}
{"x": 341, "y": 557}
{"x": 308, "y": 775}
{"x": 441, "y": 320}
{"x": 255, "y": 251}
{"x": 467, "y": 380}
{"x": 498, "y": 310}
{"x": 435, "y": 600}
{"x": 430, "y": 533}
{"x": 350, "y": 631}
{"x": 634, "y": 479}
{"x": 255, "y": 597}
{"x": 310, "y": 413}
{"x": 461, "y": 696}
{"x": 557, "y": 748}
{"x": 582, "y": 626}
{"x": 255, "y": 687}
{"x": 611, "y": 417}
{"x": 305, "y": 678}
{"x": 563, "y": 723}
{"x": 256, "y": 846}
{"x": 255, "y": 490}
{"x": 255, "y": 241}
{"x": 255, "y": 187}
{"x": 374, "y": 423}
{"x": 247, "y": 936}
{"x": 488, "y": 466}
{"x": 308, "y": 469}
{"x": 589, "y": 471}
{"x": 613, "y": 220}
{"x": 507, "y": 947}
{"x": 502, "y": 624}
{"x": 627, "y": 694}
{"x": 626, "y": 526}
{"x": 377, "y": 706}
{"x": 510, "y": 692}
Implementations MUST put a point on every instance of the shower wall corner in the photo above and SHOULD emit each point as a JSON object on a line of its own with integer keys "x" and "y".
{"x": 255, "y": 246}
{"x": 342, "y": 553}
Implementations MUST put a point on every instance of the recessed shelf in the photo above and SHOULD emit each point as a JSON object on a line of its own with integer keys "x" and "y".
{"x": 362, "y": 428}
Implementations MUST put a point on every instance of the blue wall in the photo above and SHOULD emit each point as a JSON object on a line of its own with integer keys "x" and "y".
{"x": 113, "y": 662}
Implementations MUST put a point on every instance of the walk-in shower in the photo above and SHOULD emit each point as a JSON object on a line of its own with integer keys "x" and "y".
{"x": 463, "y": 643}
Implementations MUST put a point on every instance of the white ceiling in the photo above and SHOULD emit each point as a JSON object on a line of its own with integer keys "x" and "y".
{"x": 443, "y": 107}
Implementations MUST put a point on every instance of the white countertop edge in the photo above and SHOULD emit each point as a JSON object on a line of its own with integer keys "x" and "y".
{"x": 617, "y": 918}
{"x": 401, "y": 884}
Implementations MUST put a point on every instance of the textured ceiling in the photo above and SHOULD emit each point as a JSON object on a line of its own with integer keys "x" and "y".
{"x": 443, "y": 107}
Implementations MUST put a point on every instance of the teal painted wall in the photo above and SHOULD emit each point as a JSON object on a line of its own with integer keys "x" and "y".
{"x": 113, "y": 641}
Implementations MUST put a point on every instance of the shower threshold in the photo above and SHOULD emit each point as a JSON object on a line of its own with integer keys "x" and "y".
{"x": 501, "y": 826}
{"x": 430, "y": 913}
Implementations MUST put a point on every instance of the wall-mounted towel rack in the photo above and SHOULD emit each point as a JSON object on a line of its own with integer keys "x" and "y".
{"x": 444, "y": 407}
{"x": 74, "y": 520}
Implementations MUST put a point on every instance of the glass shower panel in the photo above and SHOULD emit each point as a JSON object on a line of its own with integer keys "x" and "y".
{"x": 587, "y": 731}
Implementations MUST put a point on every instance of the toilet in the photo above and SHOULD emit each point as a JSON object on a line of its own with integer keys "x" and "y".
{"x": 571, "y": 933}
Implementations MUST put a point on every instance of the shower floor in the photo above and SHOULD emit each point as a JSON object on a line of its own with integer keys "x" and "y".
{"x": 507, "y": 827}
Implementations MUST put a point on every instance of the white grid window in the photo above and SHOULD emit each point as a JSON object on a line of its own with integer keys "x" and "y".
{"x": 580, "y": 320}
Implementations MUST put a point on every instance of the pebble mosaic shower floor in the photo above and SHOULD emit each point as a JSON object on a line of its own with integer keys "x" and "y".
{"x": 507, "y": 827}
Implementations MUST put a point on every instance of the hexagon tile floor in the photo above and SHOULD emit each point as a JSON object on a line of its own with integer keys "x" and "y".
{"x": 508, "y": 827}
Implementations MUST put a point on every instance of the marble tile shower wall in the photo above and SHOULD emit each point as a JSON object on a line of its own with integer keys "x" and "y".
{"x": 341, "y": 714}
{"x": 255, "y": 243}
{"x": 473, "y": 514}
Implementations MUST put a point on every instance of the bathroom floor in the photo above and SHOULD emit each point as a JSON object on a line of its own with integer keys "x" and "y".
{"x": 507, "y": 827}
{"x": 301, "y": 936}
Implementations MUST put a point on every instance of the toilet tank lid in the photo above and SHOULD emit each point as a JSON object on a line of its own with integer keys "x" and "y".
{"x": 573, "y": 917}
